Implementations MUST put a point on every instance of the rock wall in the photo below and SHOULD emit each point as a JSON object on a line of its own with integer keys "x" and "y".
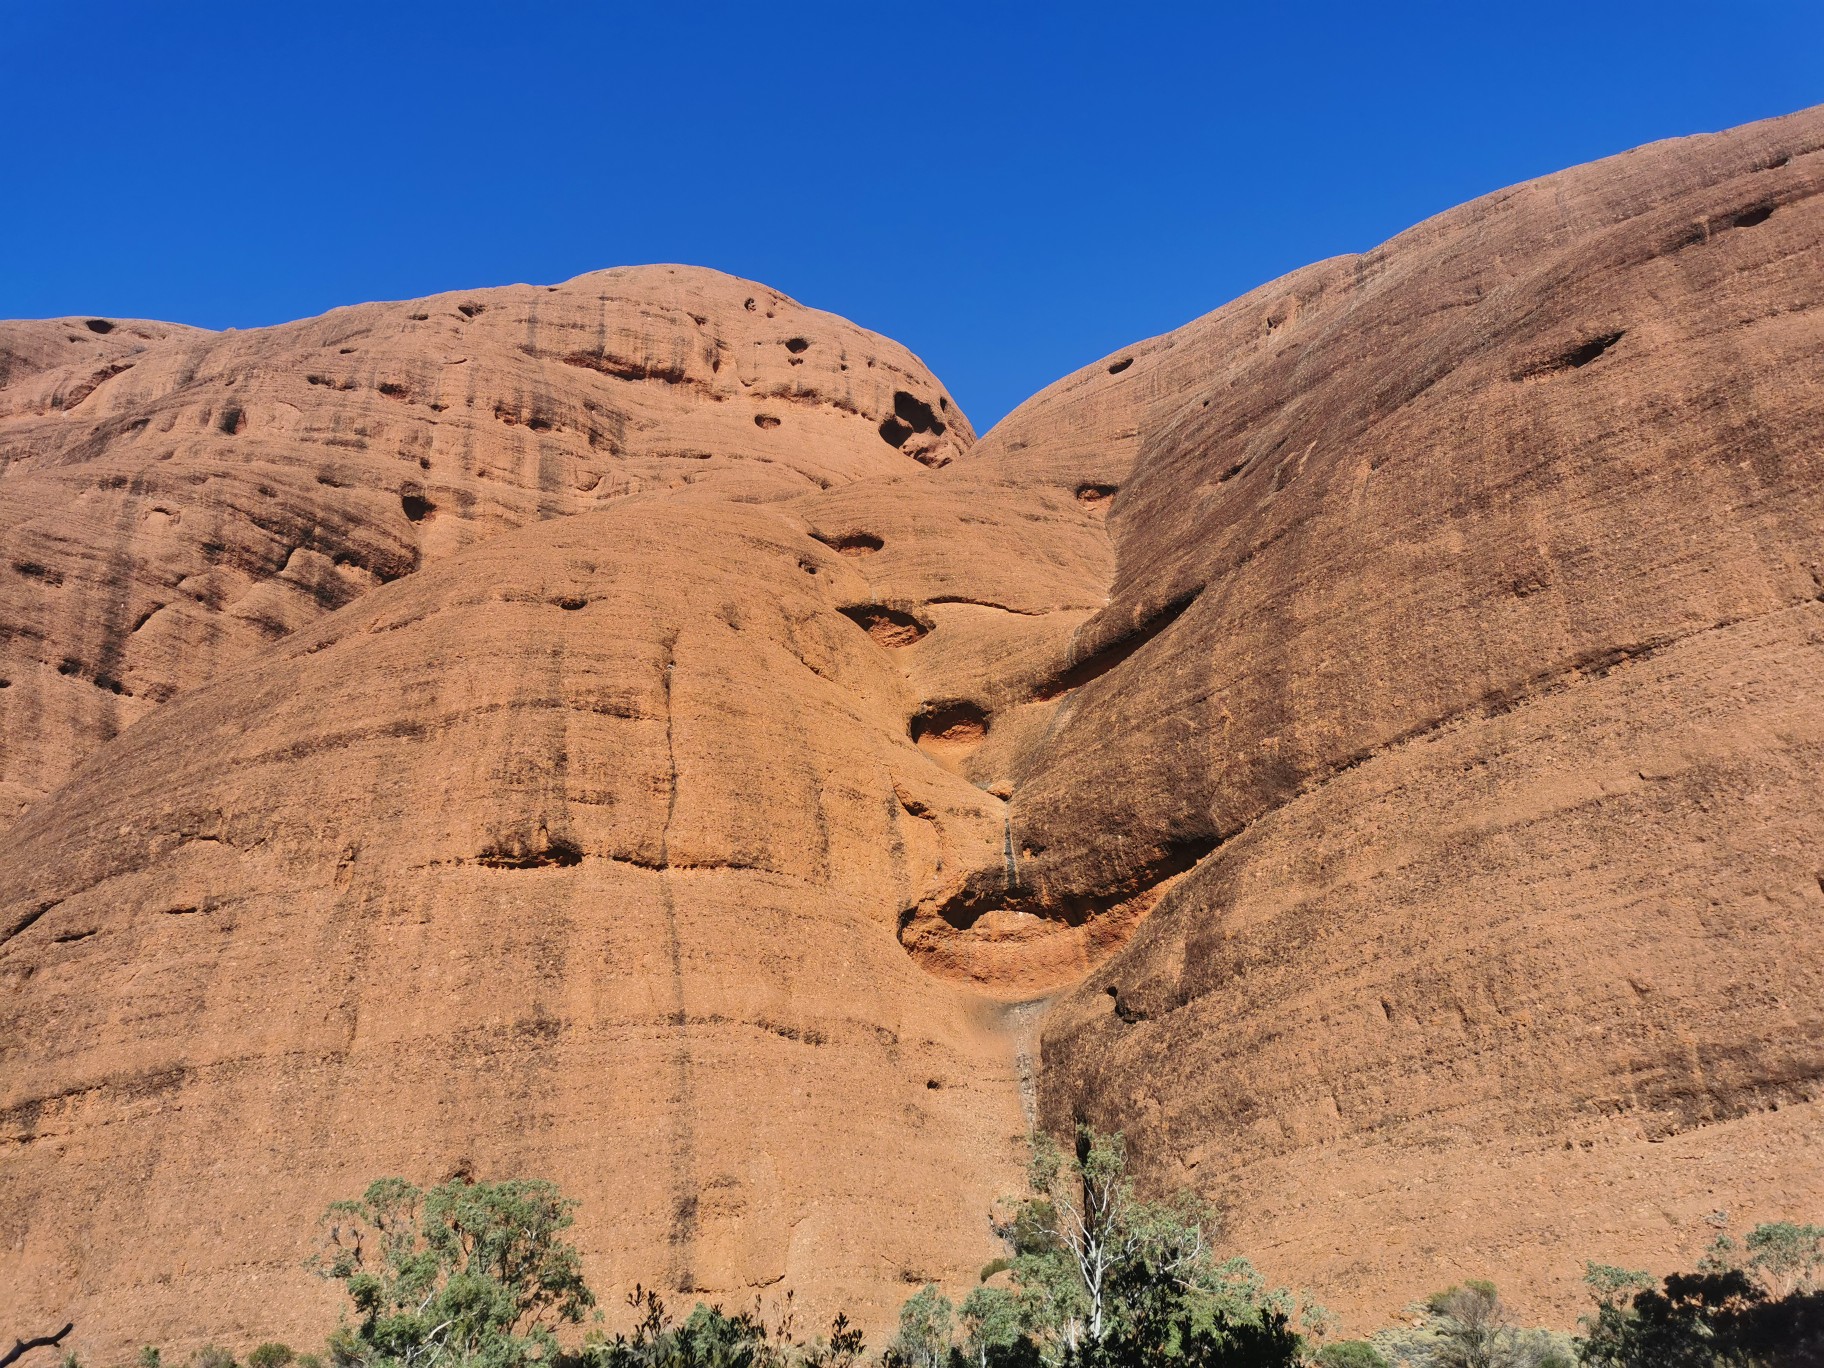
{"x": 630, "y": 732}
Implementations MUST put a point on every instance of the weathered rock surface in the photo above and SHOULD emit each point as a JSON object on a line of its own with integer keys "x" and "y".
{"x": 627, "y": 732}
{"x": 171, "y": 500}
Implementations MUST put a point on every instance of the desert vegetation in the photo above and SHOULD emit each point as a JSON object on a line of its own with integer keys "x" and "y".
{"x": 481, "y": 1275}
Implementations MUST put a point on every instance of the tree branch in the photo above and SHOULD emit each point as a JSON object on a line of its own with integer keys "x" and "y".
{"x": 25, "y": 1346}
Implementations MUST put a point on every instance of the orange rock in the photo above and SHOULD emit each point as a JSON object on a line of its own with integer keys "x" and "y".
{"x": 630, "y": 733}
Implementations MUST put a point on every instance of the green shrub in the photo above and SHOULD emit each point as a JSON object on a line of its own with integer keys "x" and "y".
{"x": 1351, "y": 1354}
{"x": 271, "y": 1355}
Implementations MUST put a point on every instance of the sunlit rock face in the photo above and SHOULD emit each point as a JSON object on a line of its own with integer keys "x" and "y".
{"x": 632, "y": 733}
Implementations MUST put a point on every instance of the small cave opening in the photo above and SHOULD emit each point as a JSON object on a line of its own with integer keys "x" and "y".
{"x": 910, "y": 415}
{"x": 1093, "y": 494}
{"x": 796, "y": 344}
{"x": 100, "y": 325}
{"x": 953, "y": 722}
{"x": 231, "y": 420}
{"x": 850, "y": 543}
{"x": 415, "y": 505}
{"x": 1116, "y": 367}
{"x": 765, "y": 421}
{"x": 1575, "y": 358}
{"x": 891, "y": 627}
{"x": 552, "y": 853}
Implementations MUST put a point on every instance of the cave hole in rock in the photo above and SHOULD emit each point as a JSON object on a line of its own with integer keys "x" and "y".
{"x": 470, "y": 310}
{"x": 953, "y": 722}
{"x": 910, "y": 415}
{"x": 796, "y": 345}
{"x": 392, "y": 389}
{"x": 415, "y": 505}
{"x": 1093, "y": 494}
{"x": 1575, "y": 358}
{"x": 1116, "y": 367}
{"x": 1126, "y": 1014}
{"x": 765, "y": 420}
{"x": 571, "y": 602}
{"x": 891, "y": 627}
{"x": 99, "y": 325}
{"x": 231, "y": 420}
{"x": 915, "y": 411}
{"x": 553, "y": 853}
{"x": 1748, "y": 218}
{"x": 850, "y": 543}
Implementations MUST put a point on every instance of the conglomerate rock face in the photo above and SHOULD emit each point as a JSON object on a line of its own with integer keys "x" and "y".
{"x": 631, "y": 732}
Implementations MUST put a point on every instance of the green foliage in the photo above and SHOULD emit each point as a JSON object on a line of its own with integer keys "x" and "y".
{"x": 271, "y": 1355}
{"x": 149, "y": 1356}
{"x": 712, "y": 1338}
{"x": 1102, "y": 1278}
{"x": 1467, "y": 1326}
{"x": 1350, "y": 1354}
{"x": 1753, "y": 1305}
{"x": 994, "y": 1325}
{"x": 923, "y": 1340}
{"x": 212, "y": 1356}
{"x": 1787, "y": 1257}
{"x": 475, "y": 1274}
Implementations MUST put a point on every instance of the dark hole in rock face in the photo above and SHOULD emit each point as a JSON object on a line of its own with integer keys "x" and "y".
{"x": 415, "y": 505}
{"x": 916, "y": 413}
{"x": 1095, "y": 493}
{"x": 749, "y": 306}
{"x": 894, "y": 432}
{"x": 392, "y": 389}
{"x": 933, "y": 1084}
{"x": 557, "y": 853}
{"x": 890, "y": 627}
{"x": 231, "y": 419}
{"x": 796, "y": 345}
{"x": 1576, "y": 358}
{"x": 99, "y": 325}
{"x": 470, "y": 310}
{"x": 1748, "y": 218}
{"x": 571, "y": 602}
{"x": 850, "y": 543}
{"x": 1116, "y": 367}
{"x": 765, "y": 420}
{"x": 956, "y": 723}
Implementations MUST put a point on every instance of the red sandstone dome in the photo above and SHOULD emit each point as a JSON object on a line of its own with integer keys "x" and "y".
{"x": 1364, "y": 745}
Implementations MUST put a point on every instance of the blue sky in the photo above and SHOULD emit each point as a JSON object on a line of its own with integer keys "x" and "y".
{"x": 1011, "y": 190}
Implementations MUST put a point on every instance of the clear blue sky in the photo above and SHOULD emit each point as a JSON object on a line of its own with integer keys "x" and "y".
{"x": 1011, "y": 190}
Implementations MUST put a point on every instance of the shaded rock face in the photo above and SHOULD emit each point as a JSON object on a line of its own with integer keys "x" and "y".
{"x": 631, "y": 733}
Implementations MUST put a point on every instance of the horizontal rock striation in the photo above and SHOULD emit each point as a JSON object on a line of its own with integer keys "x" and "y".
{"x": 630, "y": 732}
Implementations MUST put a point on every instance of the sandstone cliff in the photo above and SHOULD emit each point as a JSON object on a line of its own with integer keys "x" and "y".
{"x": 630, "y": 732}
